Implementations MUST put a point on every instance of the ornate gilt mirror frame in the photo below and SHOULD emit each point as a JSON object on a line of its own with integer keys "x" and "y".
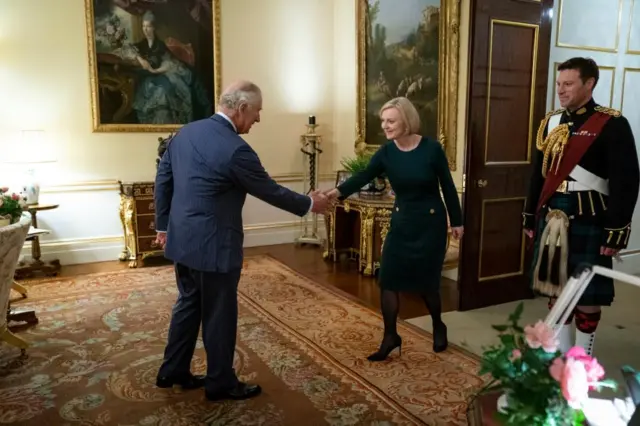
{"x": 120, "y": 73}
{"x": 447, "y": 90}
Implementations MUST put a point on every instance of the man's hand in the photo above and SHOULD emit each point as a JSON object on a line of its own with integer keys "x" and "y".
{"x": 320, "y": 202}
{"x": 457, "y": 232}
{"x": 161, "y": 239}
{"x": 607, "y": 251}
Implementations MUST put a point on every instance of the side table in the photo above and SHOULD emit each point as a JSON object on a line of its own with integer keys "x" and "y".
{"x": 36, "y": 266}
{"x": 358, "y": 225}
{"x": 137, "y": 214}
{"x": 482, "y": 409}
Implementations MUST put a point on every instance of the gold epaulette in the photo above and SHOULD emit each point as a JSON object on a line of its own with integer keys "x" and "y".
{"x": 610, "y": 111}
{"x": 553, "y": 145}
{"x": 540, "y": 145}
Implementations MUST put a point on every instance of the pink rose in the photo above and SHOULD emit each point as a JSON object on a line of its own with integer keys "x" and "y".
{"x": 541, "y": 335}
{"x": 595, "y": 371}
{"x": 573, "y": 380}
{"x": 15, "y": 197}
{"x": 515, "y": 355}
{"x": 576, "y": 352}
{"x": 4, "y": 189}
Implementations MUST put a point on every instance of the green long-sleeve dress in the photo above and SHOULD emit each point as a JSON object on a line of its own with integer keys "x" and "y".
{"x": 415, "y": 247}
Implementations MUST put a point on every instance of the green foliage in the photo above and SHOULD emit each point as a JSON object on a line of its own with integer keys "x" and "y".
{"x": 10, "y": 205}
{"x": 356, "y": 164}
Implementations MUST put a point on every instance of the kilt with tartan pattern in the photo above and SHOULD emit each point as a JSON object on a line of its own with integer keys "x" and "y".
{"x": 586, "y": 233}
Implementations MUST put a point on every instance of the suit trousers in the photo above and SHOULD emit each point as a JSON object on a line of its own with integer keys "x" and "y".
{"x": 210, "y": 298}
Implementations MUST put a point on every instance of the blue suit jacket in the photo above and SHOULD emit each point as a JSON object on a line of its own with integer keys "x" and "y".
{"x": 200, "y": 188}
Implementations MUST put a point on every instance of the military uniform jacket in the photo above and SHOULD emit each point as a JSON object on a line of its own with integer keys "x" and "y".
{"x": 612, "y": 157}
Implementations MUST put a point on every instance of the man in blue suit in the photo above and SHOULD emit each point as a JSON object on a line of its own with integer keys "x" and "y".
{"x": 201, "y": 186}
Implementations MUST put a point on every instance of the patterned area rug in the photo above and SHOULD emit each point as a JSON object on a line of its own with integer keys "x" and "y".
{"x": 97, "y": 349}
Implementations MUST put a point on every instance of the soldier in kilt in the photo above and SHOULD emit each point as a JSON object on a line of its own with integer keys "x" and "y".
{"x": 582, "y": 196}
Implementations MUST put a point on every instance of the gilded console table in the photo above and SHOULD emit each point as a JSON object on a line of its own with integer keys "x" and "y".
{"x": 359, "y": 225}
{"x": 137, "y": 213}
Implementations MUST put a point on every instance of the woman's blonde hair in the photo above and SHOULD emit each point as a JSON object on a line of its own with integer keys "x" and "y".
{"x": 408, "y": 113}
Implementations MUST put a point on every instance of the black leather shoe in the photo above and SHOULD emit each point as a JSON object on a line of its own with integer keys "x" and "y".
{"x": 186, "y": 382}
{"x": 239, "y": 391}
{"x": 440, "y": 341}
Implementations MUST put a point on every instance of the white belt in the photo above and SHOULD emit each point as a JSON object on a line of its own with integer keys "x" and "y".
{"x": 589, "y": 180}
{"x": 571, "y": 186}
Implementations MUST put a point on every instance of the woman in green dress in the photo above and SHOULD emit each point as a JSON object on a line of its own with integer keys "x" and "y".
{"x": 414, "y": 249}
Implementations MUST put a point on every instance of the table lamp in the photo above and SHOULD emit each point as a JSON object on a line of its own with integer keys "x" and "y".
{"x": 30, "y": 152}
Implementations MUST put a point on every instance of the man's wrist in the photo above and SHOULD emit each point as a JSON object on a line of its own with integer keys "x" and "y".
{"x": 310, "y": 203}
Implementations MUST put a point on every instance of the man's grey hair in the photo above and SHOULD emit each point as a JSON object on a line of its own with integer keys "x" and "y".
{"x": 244, "y": 93}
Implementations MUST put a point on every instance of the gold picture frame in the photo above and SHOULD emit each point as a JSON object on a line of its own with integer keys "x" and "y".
{"x": 447, "y": 91}
{"x": 120, "y": 85}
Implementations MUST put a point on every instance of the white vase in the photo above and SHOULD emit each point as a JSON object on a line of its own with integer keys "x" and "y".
{"x": 503, "y": 403}
{"x": 4, "y": 222}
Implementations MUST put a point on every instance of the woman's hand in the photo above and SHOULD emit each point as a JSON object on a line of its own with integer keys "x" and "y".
{"x": 332, "y": 194}
{"x": 457, "y": 232}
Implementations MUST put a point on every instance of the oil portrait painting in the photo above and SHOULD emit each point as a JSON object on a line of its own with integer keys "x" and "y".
{"x": 409, "y": 51}
{"x": 154, "y": 64}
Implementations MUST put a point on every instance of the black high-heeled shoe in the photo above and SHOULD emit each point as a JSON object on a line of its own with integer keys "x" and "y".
{"x": 389, "y": 343}
{"x": 440, "y": 342}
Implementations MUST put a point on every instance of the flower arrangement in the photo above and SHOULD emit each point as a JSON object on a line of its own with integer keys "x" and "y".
{"x": 541, "y": 386}
{"x": 110, "y": 33}
{"x": 10, "y": 205}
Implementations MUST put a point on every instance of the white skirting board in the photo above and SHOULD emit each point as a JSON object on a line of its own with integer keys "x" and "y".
{"x": 88, "y": 250}
{"x": 452, "y": 274}
{"x": 86, "y": 226}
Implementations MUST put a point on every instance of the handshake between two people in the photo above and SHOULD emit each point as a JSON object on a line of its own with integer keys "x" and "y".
{"x": 324, "y": 201}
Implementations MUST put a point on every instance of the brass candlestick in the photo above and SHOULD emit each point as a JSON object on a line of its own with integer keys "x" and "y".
{"x": 311, "y": 149}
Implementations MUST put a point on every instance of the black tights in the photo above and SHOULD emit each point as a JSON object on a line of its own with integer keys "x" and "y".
{"x": 390, "y": 302}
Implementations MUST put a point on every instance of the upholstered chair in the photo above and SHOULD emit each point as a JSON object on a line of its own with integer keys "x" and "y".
{"x": 12, "y": 239}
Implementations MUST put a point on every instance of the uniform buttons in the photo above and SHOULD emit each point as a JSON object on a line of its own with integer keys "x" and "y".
{"x": 397, "y": 209}
{"x": 432, "y": 211}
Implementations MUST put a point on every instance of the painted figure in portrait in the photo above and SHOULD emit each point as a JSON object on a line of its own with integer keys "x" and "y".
{"x": 153, "y": 62}
{"x": 406, "y": 51}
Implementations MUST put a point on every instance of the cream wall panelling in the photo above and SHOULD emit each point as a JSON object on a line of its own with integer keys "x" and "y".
{"x": 609, "y": 32}
{"x": 86, "y": 227}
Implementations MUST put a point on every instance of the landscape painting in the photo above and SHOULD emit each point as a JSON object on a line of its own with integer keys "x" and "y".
{"x": 154, "y": 64}
{"x": 412, "y": 51}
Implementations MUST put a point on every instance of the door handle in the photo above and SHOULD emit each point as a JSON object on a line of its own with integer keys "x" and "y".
{"x": 482, "y": 183}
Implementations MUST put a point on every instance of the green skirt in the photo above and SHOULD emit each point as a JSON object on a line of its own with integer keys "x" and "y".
{"x": 414, "y": 250}
{"x": 586, "y": 235}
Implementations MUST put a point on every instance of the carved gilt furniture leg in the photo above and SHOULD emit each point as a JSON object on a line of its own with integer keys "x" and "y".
{"x": 10, "y": 338}
{"x": 367, "y": 235}
{"x": 129, "y": 232}
{"x": 329, "y": 250}
{"x": 124, "y": 255}
{"x": 20, "y": 289}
